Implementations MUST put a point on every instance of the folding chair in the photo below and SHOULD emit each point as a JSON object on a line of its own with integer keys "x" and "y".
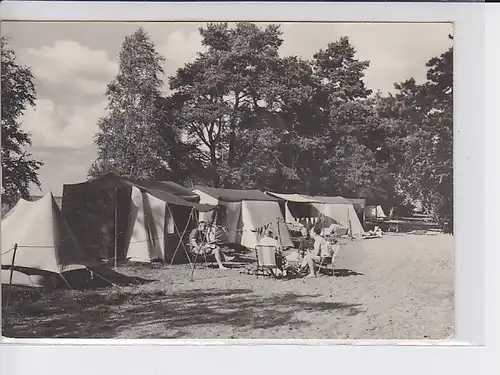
{"x": 328, "y": 261}
{"x": 393, "y": 228}
{"x": 266, "y": 260}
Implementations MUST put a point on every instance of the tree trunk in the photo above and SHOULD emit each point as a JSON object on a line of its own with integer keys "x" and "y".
{"x": 232, "y": 128}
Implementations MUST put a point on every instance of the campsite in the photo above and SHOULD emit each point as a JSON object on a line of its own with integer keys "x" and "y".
{"x": 396, "y": 287}
{"x": 227, "y": 180}
{"x": 391, "y": 285}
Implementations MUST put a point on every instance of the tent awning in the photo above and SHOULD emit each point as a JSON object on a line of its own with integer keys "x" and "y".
{"x": 235, "y": 195}
{"x": 172, "y": 199}
{"x": 168, "y": 191}
{"x": 167, "y": 186}
{"x": 332, "y": 200}
{"x": 296, "y": 198}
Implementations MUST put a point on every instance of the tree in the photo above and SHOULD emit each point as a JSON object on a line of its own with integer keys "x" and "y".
{"x": 131, "y": 140}
{"x": 227, "y": 99}
{"x": 351, "y": 126}
{"x": 420, "y": 119}
{"x": 19, "y": 170}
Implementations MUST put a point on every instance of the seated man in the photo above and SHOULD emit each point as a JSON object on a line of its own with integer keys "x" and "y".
{"x": 199, "y": 243}
{"x": 320, "y": 248}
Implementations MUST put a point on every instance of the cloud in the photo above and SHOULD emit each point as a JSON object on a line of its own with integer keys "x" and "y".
{"x": 62, "y": 165}
{"x": 396, "y": 51}
{"x": 179, "y": 48}
{"x": 53, "y": 125}
{"x": 73, "y": 68}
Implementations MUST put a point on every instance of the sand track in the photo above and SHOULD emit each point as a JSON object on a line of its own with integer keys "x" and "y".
{"x": 395, "y": 287}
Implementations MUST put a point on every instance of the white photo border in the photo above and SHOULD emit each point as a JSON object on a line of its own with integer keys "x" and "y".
{"x": 475, "y": 231}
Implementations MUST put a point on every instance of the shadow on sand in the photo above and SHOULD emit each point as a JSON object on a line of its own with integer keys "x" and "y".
{"x": 158, "y": 314}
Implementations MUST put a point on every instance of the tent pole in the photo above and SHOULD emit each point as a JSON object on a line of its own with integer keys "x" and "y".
{"x": 116, "y": 227}
{"x": 364, "y": 217}
{"x": 10, "y": 285}
{"x": 203, "y": 243}
{"x": 281, "y": 244}
{"x": 350, "y": 225}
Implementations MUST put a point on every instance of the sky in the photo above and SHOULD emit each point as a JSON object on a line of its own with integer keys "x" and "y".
{"x": 73, "y": 62}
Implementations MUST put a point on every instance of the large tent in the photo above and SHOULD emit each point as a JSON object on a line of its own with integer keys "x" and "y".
{"x": 374, "y": 212}
{"x": 299, "y": 208}
{"x": 120, "y": 218}
{"x": 246, "y": 214}
{"x": 342, "y": 211}
{"x": 44, "y": 239}
{"x": 306, "y": 210}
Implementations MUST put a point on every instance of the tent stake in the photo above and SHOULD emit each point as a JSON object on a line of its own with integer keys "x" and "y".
{"x": 10, "y": 285}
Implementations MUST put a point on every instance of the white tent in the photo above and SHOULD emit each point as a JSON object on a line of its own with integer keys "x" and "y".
{"x": 151, "y": 221}
{"x": 307, "y": 209}
{"x": 302, "y": 206}
{"x": 342, "y": 211}
{"x": 248, "y": 214}
{"x": 44, "y": 240}
{"x": 374, "y": 212}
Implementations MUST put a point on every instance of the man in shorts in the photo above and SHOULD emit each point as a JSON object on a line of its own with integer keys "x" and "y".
{"x": 199, "y": 244}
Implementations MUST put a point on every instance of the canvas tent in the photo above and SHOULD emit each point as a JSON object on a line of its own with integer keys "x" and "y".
{"x": 342, "y": 211}
{"x": 374, "y": 212}
{"x": 339, "y": 209}
{"x": 132, "y": 219}
{"x": 359, "y": 206}
{"x": 44, "y": 239}
{"x": 299, "y": 208}
{"x": 245, "y": 214}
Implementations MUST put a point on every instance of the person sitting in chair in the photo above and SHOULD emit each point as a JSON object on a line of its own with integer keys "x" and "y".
{"x": 199, "y": 244}
{"x": 270, "y": 239}
{"x": 305, "y": 242}
{"x": 320, "y": 247}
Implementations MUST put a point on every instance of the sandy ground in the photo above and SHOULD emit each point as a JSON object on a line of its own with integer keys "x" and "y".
{"x": 395, "y": 287}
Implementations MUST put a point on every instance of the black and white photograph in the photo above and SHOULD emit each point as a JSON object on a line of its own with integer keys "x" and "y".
{"x": 227, "y": 180}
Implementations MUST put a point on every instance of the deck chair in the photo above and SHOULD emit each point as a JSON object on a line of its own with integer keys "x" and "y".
{"x": 266, "y": 260}
{"x": 327, "y": 261}
{"x": 393, "y": 228}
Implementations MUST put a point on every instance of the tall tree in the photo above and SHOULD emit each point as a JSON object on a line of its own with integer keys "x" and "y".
{"x": 130, "y": 141}
{"x": 421, "y": 121}
{"x": 351, "y": 128}
{"x": 228, "y": 100}
{"x": 19, "y": 170}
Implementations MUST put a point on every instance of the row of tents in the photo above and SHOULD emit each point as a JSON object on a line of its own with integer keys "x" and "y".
{"x": 113, "y": 218}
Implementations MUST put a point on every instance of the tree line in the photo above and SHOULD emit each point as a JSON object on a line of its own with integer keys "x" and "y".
{"x": 240, "y": 115}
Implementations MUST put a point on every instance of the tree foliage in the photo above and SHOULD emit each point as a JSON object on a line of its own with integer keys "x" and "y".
{"x": 226, "y": 99}
{"x": 19, "y": 170}
{"x": 240, "y": 115}
{"x": 131, "y": 137}
{"x": 420, "y": 119}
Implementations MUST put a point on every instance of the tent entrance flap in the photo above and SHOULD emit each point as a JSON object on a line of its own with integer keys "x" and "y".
{"x": 259, "y": 215}
{"x": 152, "y": 224}
{"x": 181, "y": 236}
{"x": 145, "y": 237}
